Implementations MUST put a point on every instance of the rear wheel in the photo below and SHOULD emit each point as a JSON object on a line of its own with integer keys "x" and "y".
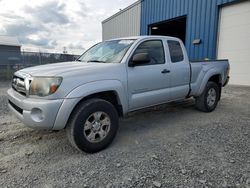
{"x": 208, "y": 100}
{"x": 93, "y": 125}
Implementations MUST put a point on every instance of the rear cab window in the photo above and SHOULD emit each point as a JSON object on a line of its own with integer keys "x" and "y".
{"x": 175, "y": 50}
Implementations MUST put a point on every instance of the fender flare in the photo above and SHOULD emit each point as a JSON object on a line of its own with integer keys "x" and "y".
{"x": 90, "y": 88}
{"x": 87, "y": 89}
{"x": 208, "y": 75}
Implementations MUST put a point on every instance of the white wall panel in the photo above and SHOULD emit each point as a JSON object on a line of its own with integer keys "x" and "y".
{"x": 124, "y": 23}
{"x": 234, "y": 41}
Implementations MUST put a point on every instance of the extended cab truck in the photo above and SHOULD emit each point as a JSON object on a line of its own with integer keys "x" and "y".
{"x": 109, "y": 80}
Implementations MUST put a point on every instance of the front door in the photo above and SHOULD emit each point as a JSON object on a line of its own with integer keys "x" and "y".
{"x": 149, "y": 83}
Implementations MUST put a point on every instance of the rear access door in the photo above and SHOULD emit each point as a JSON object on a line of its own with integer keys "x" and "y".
{"x": 180, "y": 70}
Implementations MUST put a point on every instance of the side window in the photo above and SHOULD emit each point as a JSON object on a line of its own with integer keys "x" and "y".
{"x": 155, "y": 50}
{"x": 175, "y": 50}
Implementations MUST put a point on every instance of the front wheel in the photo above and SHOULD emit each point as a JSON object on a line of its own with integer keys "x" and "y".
{"x": 93, "y": 125}
{"x": 208, "y": 100}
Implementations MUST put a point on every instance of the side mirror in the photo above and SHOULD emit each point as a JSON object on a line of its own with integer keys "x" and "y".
{"x": 140, "y": 58}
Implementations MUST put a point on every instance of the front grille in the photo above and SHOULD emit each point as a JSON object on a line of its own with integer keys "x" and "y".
{"x": 20, "y": 83}
{"x": 16, "y": 107}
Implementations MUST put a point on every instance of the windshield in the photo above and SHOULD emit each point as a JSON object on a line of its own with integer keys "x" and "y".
{"x": 107, "y": 52}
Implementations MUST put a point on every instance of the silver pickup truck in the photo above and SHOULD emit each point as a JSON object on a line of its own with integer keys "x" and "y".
{"x": 86, "y": 97}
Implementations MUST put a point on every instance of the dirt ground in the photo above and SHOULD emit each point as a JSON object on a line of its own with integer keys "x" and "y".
{"x": 167, "y": 146}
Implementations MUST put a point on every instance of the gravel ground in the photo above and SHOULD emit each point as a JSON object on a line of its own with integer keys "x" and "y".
{"x": 167, "y": 146}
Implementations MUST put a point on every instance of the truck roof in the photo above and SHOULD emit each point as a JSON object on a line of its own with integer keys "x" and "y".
{"x": 144, "y": 37}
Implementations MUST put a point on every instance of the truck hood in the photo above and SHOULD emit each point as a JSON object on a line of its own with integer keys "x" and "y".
{"x": 76, "y": 74}
{"x": 61, "y": 69}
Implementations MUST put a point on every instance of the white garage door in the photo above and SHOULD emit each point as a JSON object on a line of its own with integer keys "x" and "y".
{"x": 234, "y": 41}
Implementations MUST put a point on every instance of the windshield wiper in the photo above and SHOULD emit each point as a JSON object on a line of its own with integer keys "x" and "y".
{"x": 95, "y": 61}
{"x": 78, "y": 60}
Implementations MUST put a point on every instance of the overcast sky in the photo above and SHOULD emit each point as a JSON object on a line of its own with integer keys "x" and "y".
{"x": 51, "y": 24}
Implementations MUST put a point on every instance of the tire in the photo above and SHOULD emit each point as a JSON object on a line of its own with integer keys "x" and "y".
{"x": 92, "y": 125}
{"x": 207, "y": 102}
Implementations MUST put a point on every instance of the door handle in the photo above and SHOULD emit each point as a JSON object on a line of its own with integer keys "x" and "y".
{"x": 165, "y": 71}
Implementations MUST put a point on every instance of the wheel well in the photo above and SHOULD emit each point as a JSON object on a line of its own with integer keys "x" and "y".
{"x": 216, "y": 79}
{"x": 110, "y": 96}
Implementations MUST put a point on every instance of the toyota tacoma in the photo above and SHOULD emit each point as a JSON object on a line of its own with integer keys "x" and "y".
{"x": 87, "y": 96}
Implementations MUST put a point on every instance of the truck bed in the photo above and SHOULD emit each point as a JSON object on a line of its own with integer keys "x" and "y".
{"x": 200, "y": 69}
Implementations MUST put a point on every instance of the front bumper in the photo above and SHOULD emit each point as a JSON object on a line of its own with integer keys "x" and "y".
{"x": 34, "y": 113}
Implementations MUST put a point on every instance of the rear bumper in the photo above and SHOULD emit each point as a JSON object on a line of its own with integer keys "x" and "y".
{"x": 226, "y": 82}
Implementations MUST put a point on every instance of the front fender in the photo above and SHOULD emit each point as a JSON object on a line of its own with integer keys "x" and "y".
{"x": 78, "y": 93}
{"x": 101, "y": 86}
{"x": 95, "y": 87}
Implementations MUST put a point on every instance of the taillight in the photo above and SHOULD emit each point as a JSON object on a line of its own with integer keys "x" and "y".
{"x": 228, "y": 71}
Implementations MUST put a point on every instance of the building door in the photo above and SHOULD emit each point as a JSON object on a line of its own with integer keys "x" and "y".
{"x": 234, "y": 41}
{"x": 173, "y": 28}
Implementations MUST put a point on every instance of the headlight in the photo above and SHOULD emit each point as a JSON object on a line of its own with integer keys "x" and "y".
{"x": 44, "y": 86}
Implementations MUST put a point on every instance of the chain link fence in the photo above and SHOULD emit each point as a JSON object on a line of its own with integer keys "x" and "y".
{"x": 13, "y": 61}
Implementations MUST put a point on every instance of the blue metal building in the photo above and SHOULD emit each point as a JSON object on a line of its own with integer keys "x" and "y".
{"x": 201, "y": 22}
{"x": 213, "y": 29}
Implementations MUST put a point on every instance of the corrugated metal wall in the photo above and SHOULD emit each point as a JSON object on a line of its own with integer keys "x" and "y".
{"x": 124, "y": 23}
{"x": 202, "y": 21}
{"x": 10, "y": 54}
